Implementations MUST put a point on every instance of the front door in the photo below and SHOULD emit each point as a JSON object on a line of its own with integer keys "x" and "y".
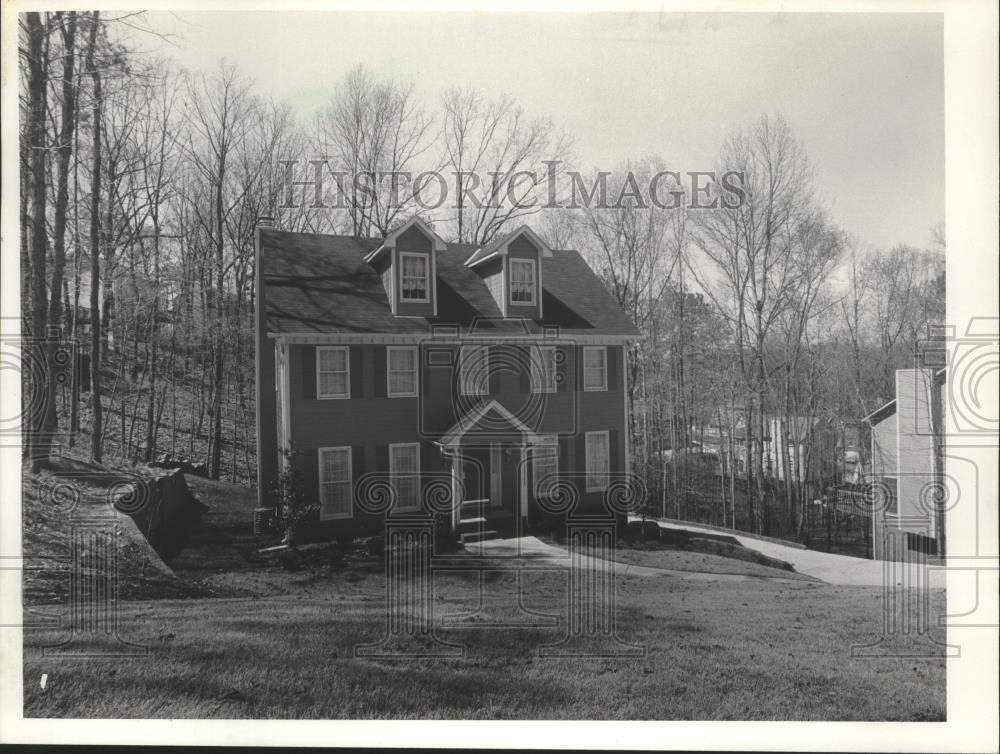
{"x": 476, "y": 475}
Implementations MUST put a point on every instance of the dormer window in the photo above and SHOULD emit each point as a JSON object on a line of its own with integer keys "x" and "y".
{"x": 406, "y": 260}
{"x": 522, "y": 281}
{"x": 511, "y": 266}
{"x": 414, "y": 278}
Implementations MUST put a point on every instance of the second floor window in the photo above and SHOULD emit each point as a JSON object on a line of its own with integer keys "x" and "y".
{"x": 333, "y": 372}
{"x": 543, "y": 369}
{"x": 401, "y": 365}
{"x": 474, "y": 370}
{"x": 595, "y": 368}
{"x": 414, "y": 277}
{"x": 545, "y": 467}
{"x": 522, "y": 281}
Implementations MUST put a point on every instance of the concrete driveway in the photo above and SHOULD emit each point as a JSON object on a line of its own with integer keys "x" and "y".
{"x": 532, "y": 549}
{"x": 828, "y": 567}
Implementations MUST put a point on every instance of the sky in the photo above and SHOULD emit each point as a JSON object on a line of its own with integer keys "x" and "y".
{"x": 864, "y": 93}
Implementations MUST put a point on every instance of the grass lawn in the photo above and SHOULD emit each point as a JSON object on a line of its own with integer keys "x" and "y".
{"x": 754, "y": 649}
{"x": 231, "y": 635}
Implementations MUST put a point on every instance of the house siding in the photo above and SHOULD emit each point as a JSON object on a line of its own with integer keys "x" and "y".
{"x": 492, "y": 274}
{"x": 903, "y": 448}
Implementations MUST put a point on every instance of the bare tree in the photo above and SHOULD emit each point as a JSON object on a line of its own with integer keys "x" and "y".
{"x": 500, "y": 160}
{"x": 96, "y": 436}
{"x": 221, "y": 110}
{"x": 752, "y": 266}
{"x": 374, "y": 133}
{"x": 37, "y": 55}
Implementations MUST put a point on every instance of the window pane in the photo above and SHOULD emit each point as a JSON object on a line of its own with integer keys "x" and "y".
{"x": 333, "y": 383}
{"x": 333, "y": 360}
{"x": 546, "y": 467}
{"x": 401, "y": 382}
{"x": 402, "y": 371}
{"x": 522, "y": 281}
{"x": 543, "y": 368}
{"x": 414, "y": 276}
{"x": 593, "y": 368}
{"x": 474, "y": 370}
{"x": 597, "y": 461}
{"x": 405, "y": 476}
{"x": 335, "y": 475}
{"x": 402, "y": 360}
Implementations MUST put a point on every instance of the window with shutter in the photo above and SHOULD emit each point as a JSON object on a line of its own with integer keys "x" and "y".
{"x": 335, "y": 482}
{"x": 401, "y": 368}
{"x": 545, "y": 466}
{"x": 595, "y": 368}
{"x": 598, "y": 460}
{"x": 404, "y": 472}
{"x": 333, "y": 372}
{"x": 474, "y": 370}
{"x": 543, "y": 369}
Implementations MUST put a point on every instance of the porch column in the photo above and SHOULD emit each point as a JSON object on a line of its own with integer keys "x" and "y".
{"x": 522, "y": 504}
{"x": 456, "y": 488}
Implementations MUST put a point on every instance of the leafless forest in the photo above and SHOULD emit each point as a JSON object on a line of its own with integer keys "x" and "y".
{"x": 765, "y": 325}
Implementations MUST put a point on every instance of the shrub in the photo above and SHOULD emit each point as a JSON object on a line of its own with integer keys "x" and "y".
{"x": 295, "y": 505}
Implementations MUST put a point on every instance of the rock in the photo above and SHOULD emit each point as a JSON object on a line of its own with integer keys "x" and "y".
{"x": 375, "y": 545}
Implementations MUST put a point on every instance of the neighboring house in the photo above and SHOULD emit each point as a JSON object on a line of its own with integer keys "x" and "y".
{"x": 465, "y": 380}
{"x": 907, "y": 467}
{"x": 814, "y": 447}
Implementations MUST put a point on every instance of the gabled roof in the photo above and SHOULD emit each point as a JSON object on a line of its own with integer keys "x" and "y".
{"x": 487, "y": 420}
{"x": 390, "y": 240}
{"x": 499, "y": 245}
{"x": 320, "y": 284}
{"x": 886, "y": 410}
{"x": 881, "y": 413}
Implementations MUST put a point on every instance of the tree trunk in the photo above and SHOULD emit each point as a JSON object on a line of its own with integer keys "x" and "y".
{"x": 95, "y": 251}
{"x": 64, "y": 151}
{"x": 37, "y": 445}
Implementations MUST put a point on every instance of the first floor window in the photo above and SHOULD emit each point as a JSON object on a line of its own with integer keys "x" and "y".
{"x": 414, "y": 279}
{"x": 595, "y": 368}
{"x": 543, "y": 369}
{"x": 598, "y": 461}
{"x": 333, "y": 372}
{"x": 474, "y": 370}
{"x": 335, "y": 482}
{"x": 402, "y": 370}
{"x": 522, "y": 281}
{"x": 545, "y": 466}
{"x": 404, "y": 472}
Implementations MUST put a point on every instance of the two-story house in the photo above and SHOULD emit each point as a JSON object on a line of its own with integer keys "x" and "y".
{"x": 436, "y": 377}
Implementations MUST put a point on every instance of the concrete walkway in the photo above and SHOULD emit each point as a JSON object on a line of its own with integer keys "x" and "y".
{"x": 828, "y": 567}
{"x": 533, "y": 550}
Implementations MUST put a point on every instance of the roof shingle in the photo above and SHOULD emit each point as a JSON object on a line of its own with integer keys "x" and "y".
{"x": 320, "y": 284}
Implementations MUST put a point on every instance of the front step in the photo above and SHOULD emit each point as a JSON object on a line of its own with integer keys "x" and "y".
{"x": 480, "y": 535}
{"x": 474, "y": 523}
